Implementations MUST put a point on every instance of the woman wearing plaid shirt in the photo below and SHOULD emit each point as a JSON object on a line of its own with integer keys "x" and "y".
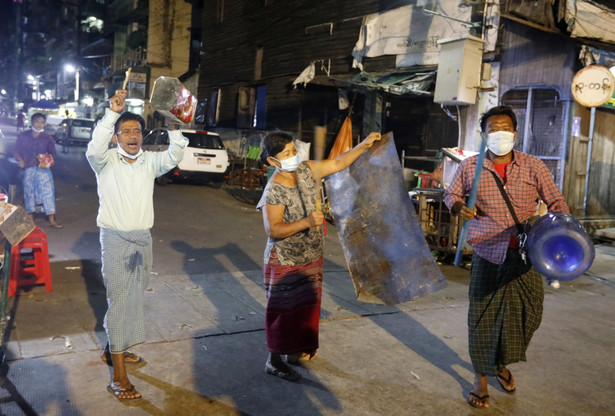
{"x": 506, "y": 295}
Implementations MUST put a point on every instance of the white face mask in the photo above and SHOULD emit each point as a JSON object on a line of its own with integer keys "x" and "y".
{"x": 501, "y": 142}
{"x": 128, "y": 155}
{"x": 37, "y": 130}
{"x": 291, "y": 164}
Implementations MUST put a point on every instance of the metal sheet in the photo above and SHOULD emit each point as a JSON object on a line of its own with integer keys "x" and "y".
{"x": 383, "y": 243}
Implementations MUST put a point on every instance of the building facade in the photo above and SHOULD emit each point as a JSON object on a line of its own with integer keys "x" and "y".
{"x": 271, "y": 64}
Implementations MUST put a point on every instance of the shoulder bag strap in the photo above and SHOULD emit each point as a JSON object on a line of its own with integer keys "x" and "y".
{"x": 520, "y": 228}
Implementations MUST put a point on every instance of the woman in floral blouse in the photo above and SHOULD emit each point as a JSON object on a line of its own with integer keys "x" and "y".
{"x": 294, "y": 254}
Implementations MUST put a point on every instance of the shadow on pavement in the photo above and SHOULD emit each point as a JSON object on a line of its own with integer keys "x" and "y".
{"x": 58, "y": 398}
{"x": 180, "y": 401}
{"x": 230, "y": 375}
{"x": 96, "y": 292}
{"x": 13, "y": 394}
{"x": 416, "y": 338}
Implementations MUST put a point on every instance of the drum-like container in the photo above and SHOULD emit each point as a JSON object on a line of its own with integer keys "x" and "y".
{"x": 559, "y": 247}
{"x": 171, "y": 99}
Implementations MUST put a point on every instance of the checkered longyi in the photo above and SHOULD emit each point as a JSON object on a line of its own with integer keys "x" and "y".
{"x": 126, "y": 267}
{"x": 506, "y": 303}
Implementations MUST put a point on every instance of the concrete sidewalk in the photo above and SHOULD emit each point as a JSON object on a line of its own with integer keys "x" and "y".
{"x": 205, "y": 350}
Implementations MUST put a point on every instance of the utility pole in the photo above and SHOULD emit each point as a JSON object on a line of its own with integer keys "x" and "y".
{"x": 79, "y": 29}
{"x": 18, "y": 51}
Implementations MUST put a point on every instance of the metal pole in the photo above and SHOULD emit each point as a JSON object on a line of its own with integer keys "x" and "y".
{"x": 6, "y": 268}
{"x": 592, "y": 120}
{"x": 560, "y": 182}
{"x": 472, "y": 198}
{"x": 528, "y": 120}
{"x": 77, "y": 87}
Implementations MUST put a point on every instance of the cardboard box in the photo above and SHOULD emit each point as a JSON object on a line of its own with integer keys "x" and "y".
{"x": 15, "y": 224}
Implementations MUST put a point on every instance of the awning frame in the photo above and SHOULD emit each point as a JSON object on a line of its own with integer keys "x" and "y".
{"x": 418, "y": 82}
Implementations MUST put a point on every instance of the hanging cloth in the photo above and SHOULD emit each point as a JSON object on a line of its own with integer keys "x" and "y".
{"x": 343, "y": 141}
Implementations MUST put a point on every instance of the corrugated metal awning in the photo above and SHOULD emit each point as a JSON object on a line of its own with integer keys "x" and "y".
{"x": 397, "y": 83}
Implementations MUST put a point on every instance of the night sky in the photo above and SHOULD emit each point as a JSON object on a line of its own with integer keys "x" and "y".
{"x": 7, "y": 44}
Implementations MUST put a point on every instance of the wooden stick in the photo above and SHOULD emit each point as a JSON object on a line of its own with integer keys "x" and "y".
{"x": 127, "y": 77}
{"x": 320, "y": 138}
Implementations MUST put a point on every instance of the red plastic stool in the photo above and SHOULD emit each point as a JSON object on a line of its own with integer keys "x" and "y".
{"x": 38, "y": 232}
{"x": 30, "y": 262}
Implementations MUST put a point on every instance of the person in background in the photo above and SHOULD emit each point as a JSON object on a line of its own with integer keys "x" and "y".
{"x": 35, "y": 152}
{"x": 506, "y": 294}
{"x": 294, "y": 253}
{"x": 20, "y": 122}
{"x": 125, "y": 177}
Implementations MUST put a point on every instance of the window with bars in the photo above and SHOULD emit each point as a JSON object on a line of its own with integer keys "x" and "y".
{"x": 542, "y": 125}
{"x": 251, "y": 107}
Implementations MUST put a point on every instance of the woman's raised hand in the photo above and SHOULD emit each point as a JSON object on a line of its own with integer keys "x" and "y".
{"x": 373, "y": 137}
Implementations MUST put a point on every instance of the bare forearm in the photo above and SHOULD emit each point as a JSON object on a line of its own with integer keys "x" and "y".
{"x": 283, "y": 229}
{"x": 328, "y": 167}
{"x": 346, "y": 159}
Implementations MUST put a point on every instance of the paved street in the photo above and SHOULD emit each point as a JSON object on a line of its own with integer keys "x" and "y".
{"x": 205, "y": 349}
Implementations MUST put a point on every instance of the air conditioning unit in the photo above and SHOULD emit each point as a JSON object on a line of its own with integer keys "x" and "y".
{"x": 459, "y": 70}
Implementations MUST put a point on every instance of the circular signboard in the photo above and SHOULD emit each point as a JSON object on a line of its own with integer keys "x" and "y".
{"x": 593, "y": 86}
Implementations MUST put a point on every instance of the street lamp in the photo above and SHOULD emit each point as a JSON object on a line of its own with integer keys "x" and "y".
{"x": 70, "y": 68}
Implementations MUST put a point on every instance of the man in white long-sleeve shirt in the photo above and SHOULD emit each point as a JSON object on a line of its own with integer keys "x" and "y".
{"x": 125, "y": 177}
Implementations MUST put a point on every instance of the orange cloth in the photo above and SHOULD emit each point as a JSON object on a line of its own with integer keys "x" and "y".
{"x": 343, "y": 141}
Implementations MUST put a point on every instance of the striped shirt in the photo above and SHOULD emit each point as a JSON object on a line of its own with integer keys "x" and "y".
{"x": 528, "y": 180}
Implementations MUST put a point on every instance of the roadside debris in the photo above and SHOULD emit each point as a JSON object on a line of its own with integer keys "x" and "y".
{"x": 67, "y": 341}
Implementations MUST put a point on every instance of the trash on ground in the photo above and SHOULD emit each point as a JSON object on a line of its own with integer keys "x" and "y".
{"x": 67, "y": 341}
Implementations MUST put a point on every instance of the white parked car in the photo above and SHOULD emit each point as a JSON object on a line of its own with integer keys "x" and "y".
{"x": 52, "y": 122}
{"x": 74, "y": 130}
{"x": 205, "y": 158}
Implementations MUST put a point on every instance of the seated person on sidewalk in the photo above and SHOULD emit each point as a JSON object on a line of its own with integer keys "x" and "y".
{"x": 293, "y": 256}
{"x": 506, "y": 294}
{"x": 125, "y": 177}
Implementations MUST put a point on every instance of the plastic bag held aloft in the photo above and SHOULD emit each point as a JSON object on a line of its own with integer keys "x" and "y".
{"x": 171, "y": 99}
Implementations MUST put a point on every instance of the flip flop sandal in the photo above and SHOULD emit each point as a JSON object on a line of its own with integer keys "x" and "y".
{"x": 481, "y": 399}
{"x": 118, "y": 391}
{"x": 506, "y": 387}
{"x": 129, "y": 357}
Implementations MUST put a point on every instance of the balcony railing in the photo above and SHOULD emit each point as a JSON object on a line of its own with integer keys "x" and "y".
{"x": 131, "y": 58}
